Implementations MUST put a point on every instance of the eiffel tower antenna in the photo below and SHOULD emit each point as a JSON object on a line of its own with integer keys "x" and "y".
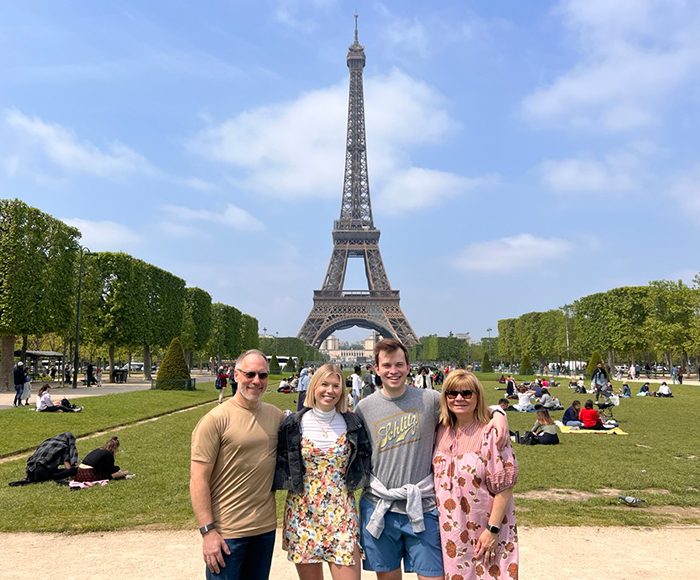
{"x": 354, "y": 236}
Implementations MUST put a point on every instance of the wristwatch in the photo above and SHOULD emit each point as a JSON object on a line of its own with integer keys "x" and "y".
{"x": 208, "y": 528}
{"x": 493, "y": 529}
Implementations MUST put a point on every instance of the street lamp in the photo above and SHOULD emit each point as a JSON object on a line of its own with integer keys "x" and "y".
{"x": 276, "y": 333}
{"x": 76, "y": 357}
{"x": 567, "y": 312}
{"x": 489, "y": 346}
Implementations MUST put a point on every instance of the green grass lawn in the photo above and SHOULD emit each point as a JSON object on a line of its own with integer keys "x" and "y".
{"x": 657, "y": 462}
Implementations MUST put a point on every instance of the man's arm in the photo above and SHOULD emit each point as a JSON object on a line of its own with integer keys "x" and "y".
{"x": 499, "y": 423}
{"x": 213, "y": 544}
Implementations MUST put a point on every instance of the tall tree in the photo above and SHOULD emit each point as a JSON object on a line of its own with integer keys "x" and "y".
{"x": 38, "y": 257}
{"x": 670, "y": 307}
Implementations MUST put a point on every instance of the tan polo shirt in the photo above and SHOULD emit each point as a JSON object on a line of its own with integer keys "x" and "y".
{"x": 242, "y": 445}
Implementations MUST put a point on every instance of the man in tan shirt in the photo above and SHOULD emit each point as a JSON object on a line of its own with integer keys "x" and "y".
{"x": 231, "y": 472}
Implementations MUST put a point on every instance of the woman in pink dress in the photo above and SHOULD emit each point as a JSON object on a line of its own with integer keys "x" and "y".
{"x": 474, "y": 486}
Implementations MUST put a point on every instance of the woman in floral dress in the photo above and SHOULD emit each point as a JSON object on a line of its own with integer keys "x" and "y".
{"x": 323, "y": 455}
{"x": 474, "y": 486}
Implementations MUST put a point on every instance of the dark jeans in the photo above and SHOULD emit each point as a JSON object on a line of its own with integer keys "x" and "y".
{"x": 300, "y": 401}
{"x": 18, "y": 395}
{"x": 44, "y": 473}
{"x": 250, "y": 559}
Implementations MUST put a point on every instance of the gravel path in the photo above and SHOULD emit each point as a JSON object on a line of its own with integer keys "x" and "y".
{"x": 585, "y": 552}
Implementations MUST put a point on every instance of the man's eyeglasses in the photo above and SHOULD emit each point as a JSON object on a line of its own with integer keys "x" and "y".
{"x": 466, "y": 394}
{"x": 251, "y": 374}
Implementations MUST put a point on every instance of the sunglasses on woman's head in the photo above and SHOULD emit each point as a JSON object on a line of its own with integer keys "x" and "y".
{"x": 466, "y": 394}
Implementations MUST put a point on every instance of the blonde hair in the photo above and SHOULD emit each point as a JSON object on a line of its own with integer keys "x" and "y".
{"x": 323, "y": 372}
{"x": 458, "y": 380}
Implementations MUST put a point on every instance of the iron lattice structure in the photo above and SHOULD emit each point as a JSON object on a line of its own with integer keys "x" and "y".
{"x": 354, "y": 236}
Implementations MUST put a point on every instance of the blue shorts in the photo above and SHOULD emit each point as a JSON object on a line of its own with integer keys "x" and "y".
{"x": 421, "y": 552}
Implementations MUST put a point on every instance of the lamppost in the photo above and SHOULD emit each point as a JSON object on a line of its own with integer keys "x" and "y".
{"x": 489, "y": 347}
{"x": 276, "y": 333}
{"x": 567, "y": 311}
{"x": 76, "y": 356}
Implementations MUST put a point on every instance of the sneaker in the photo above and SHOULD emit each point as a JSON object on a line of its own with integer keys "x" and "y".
{"x": 77, "y": 409}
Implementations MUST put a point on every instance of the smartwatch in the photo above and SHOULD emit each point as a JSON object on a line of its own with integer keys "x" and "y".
{"x": 208, "y": 528}
{"x": 493, "y": 529}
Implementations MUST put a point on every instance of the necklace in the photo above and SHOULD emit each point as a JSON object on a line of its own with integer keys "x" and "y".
{"x": 324, "y": 425}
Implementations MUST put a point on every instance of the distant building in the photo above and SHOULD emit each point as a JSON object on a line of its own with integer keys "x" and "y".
{"x": 344, "y": 352}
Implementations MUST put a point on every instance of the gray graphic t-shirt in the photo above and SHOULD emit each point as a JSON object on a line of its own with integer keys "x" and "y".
{"x": 402, "y": 431}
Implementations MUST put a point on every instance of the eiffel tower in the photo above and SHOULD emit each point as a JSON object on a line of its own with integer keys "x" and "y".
{"x": 354, "y": 236}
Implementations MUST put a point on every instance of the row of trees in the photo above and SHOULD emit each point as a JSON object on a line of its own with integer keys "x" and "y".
{"x": 289, "y": 346}
{"x": 657, "y": 322}
{"x": 453, "y": 349}
{"x": 125, "y": 303}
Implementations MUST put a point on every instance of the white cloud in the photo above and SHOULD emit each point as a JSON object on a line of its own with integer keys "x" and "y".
{"x": 297, "y": 149}
{"x": 180, "y": 220}
{"x": 63, "y": 148}
{"x": 634, "y": 54}
{"x": 106, "y": 235}
{"x": 619, "y": 171}
{"x": 300, "y": 15}
{"x": 198, "y": 184}
{"x": 416, "y": 188}
{"x": 520, "y": 252}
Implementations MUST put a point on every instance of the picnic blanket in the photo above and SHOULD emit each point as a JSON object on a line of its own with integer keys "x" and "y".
{"x": 615, "y": 431}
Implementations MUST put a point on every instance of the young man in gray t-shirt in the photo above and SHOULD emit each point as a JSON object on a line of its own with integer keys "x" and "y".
{"x": 399, "y": 519}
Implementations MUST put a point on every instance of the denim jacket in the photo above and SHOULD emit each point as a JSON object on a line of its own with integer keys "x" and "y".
{"x": 289, "y": 471}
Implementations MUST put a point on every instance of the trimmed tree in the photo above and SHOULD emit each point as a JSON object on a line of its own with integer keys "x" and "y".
{"x": 525, "y": 365}
{"x": 274, "y": 365}
{"x": 289, "y": 367}
{"x": 38, "y": 274}
{"x": 486, "y": 363}
{"x": 593, "y": 363}
{"x": 173, "y": 373}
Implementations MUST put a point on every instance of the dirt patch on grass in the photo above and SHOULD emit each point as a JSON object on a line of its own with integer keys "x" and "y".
{"x": 556, "y": 494}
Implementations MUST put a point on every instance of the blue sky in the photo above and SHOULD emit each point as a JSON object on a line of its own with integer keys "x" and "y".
{"x": 521, "y": 154}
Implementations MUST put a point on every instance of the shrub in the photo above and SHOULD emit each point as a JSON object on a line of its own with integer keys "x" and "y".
{"x": 289, "y": 367}
{"x": 525, "y": 365}
{"x": 486, "y": 364}
{"x": 274, "y": 365}
{"x": 593, "y": 363}
{"x": 173, "y": 373}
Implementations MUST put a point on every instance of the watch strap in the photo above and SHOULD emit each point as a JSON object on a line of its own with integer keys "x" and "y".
{"x": 208, "y": 528}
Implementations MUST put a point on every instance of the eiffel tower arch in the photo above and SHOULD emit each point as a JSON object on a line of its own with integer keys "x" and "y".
{"x": 354, "y": 236}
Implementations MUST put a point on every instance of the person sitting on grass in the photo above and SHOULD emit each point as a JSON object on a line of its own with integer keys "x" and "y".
{"x": 643, "y": 390}
{"x": 664, "y": 390}
{"x": 523, "y": 405}
{"x": 570, "y": 418}
{"x": 45, "y": 404}
{"x": 626, "y": 391}
{"x": 99, "y": 464}
{"x": 544, "y": 431}
{"x": 505, "y": 405}
{"x": 590, "y": 417}
{"x": 511, "y": 387}
{"x": 549, "y": 402}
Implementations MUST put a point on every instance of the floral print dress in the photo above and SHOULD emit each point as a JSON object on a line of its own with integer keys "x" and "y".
{"x": 465, "y": 484}
{"x": 321, "y": 524}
